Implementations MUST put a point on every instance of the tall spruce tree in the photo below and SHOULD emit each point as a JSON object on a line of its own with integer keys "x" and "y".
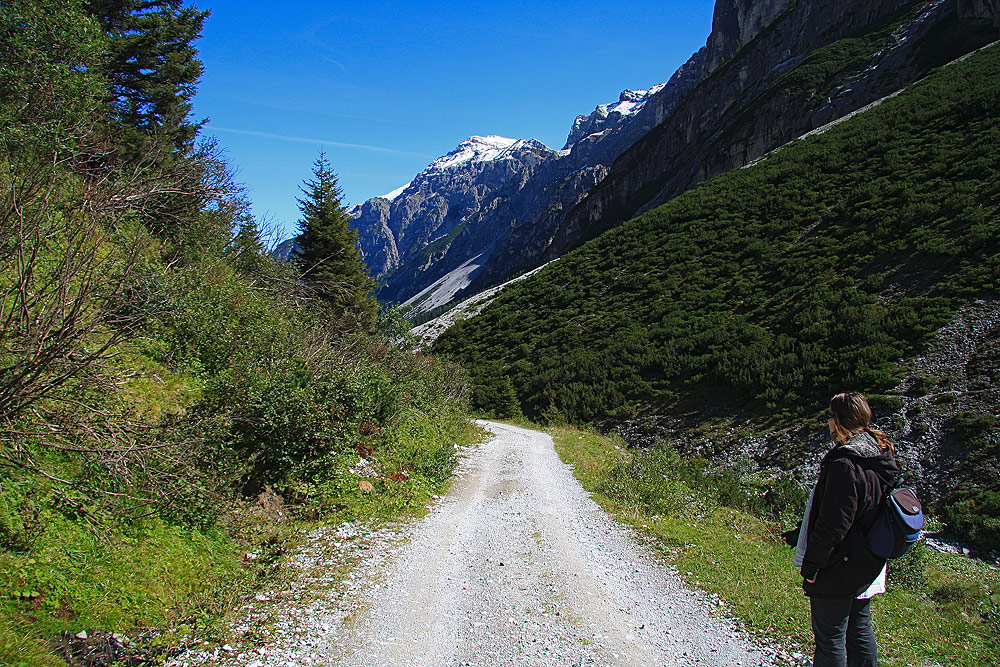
{"x": 152, "y": 66}
{"x": 327, "y": 254}
{"x": 152, "y": 71}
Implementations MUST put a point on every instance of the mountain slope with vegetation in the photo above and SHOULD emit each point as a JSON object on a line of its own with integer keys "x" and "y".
{"x": 756, "y": 296}
{"x": 173, "y": 403}
{"x": 772, "y": 70}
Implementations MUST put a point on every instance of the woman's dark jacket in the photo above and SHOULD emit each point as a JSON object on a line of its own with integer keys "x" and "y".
{"x": 853, "y": 479}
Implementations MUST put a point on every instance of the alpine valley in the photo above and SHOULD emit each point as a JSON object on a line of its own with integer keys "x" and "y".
{"x": 770, "y": 71}
{"x": 808, "y": 205}
{"x": 208, "y": 457}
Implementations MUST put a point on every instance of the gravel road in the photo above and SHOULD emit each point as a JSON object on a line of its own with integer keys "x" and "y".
{"x": 515, "y": 566}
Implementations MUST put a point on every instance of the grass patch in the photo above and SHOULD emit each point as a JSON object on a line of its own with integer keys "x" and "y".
{"x": 155, "y": 575}
{"x": 940, "y": 609}
{"x": 68, "y": 578}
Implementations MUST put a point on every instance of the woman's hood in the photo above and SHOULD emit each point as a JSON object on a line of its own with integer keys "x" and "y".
{"x": 863, "y": 445}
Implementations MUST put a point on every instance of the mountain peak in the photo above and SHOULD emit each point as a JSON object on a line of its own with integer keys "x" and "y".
{"x": 474, "y": 149}
{"x": 608, "y": 116}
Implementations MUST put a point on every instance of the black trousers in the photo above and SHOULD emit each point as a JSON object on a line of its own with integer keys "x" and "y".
{"x": 843, "y": 631}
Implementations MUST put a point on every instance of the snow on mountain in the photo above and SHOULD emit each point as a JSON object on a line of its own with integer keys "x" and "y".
{"x": 628, "y": 103}
{"x": 395, "y": 193}
{"x": 606, "y": 117}
{"x": 475, "y": 149}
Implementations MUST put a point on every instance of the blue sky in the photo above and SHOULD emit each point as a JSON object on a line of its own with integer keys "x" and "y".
{"x": 384, "y": 87}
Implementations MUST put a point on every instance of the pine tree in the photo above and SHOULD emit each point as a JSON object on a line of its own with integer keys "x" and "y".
{"x": 152, "y": 66}
{"x": 327, "y": 255}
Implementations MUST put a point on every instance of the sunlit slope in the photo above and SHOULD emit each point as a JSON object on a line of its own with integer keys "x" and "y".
{"x": 766, "y": 288}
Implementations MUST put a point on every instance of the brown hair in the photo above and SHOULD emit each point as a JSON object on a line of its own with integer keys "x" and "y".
{"x": 852, "y": 412}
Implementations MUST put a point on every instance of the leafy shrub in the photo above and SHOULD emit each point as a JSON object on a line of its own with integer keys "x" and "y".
{"x": 664, "y": 482}
{"x": 971, "y": 511}
{"x": 493, "y": 391}
{"x": 974, "y": 514}
{"x": 21, "y": 521}
{"x": 885, "y": 403}
{"x": 649, "y": 480}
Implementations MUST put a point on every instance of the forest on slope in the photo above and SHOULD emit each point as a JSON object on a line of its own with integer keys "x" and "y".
{"x": 170, "y": 396}
{"x": 828, "y": 266}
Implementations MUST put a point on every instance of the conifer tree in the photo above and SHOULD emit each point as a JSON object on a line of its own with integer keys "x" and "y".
{"x": 49, "y": 87}
{"x": 152, "y": 66}
{"x": 327, "y": 255}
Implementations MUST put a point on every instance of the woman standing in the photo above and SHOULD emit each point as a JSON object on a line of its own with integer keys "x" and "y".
{"x": 840, "y": 573}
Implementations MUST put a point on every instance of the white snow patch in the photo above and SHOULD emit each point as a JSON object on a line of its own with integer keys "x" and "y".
{"x": 627, "y": 107}
{"x": 474, "y": 149}
{"x": 631, "y": 101}
{"x": 395, "y": 193}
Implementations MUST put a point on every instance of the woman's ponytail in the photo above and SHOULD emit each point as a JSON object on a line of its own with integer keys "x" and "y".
{"x": 883, "y": 440}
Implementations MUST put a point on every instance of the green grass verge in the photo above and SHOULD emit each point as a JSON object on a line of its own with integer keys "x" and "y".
{"x": 417, "y": 465}
{"x": 178, "y": 580}
{"x": 940, "y": 610}
{"x": 154, "y": 575}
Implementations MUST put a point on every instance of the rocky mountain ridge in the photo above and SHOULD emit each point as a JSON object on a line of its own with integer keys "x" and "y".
{"x": 457, "y": 210}
{"x": 606, "y": 117}
{"x": 394, "y": 229}
{"x": 769, "y": 72}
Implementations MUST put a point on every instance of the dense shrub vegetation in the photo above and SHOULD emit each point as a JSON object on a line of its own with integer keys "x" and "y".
{"x": 767, "y": 289}
{"x": 663, "y": 482}
{"x": 169, "y": 395}
{"x": 820, "y": 267}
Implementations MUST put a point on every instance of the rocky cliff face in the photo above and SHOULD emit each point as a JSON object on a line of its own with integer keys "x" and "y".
{"x": 980, "y": 9}
{"x": 770, "y": 71}
{"x": 763, "y": 84}
{"x": 735, "y": 23}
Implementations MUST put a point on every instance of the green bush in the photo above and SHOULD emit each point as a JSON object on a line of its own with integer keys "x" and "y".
{"x": 974, "y": 514}
{"x": 661, "y": 481}
{"x": 493, "y": 392}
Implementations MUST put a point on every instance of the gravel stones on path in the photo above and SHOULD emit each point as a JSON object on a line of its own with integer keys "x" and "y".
{"x": 515, "y": 566}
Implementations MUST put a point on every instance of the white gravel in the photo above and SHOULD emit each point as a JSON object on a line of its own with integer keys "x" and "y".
{"x": 515, "y": 566}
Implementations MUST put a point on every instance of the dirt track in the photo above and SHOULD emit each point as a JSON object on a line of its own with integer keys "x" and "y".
{"x": 515, "y": 566}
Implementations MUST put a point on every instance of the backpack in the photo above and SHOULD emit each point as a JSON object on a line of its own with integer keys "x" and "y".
{"x": 897, "y": 524}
